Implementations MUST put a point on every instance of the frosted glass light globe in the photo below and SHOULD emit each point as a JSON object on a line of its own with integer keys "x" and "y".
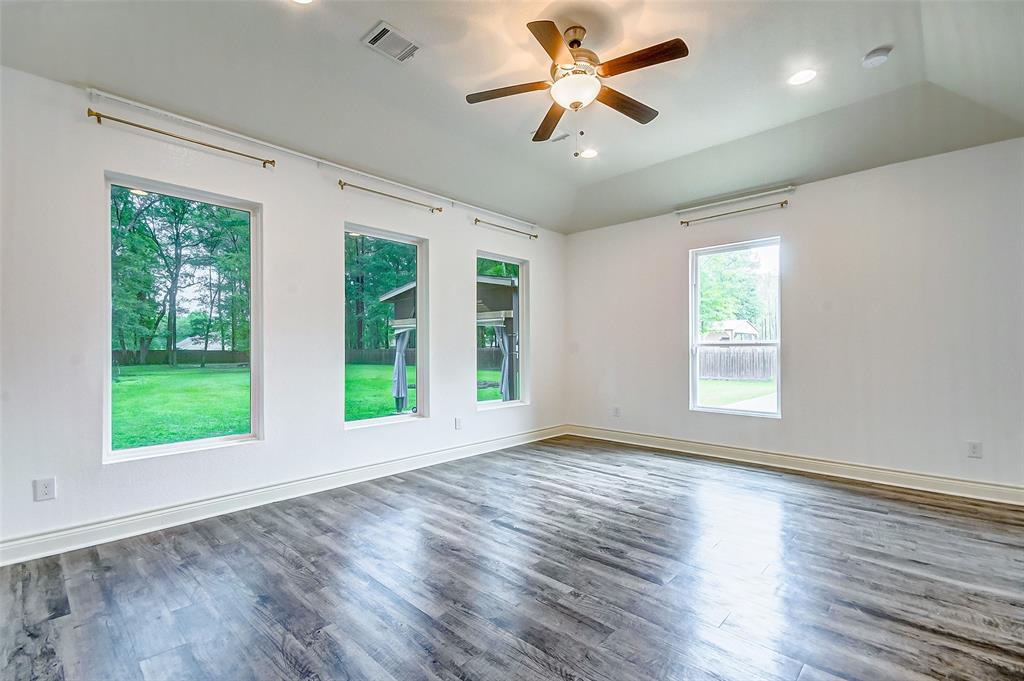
{"x": 575, "y": 91}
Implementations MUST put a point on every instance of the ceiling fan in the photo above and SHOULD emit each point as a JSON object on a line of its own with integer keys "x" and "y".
{"x": 576, "y": 75}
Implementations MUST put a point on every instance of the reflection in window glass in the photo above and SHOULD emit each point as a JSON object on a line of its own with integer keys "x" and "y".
{"x": 380, "y": 327}
{"x": 497, "y": 331}
{"x": 735, "y": 330}
{"x": 180, "y": 282}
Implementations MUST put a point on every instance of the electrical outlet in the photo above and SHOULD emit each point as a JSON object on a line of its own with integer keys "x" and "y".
{"x": 44, "y": 489}
{"x": 458, "y": 423}
{"x": 616, "y": 412}
{"x": 974, "y": 450}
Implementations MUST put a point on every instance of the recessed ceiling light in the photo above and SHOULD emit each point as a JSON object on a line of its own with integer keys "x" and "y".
{"x": 139, "y": 192}
{"x": 588, "y": 153}
{"x": 302, "y": 2}
{"x": 876, "y": 57}
{"x": 802, "y": 77}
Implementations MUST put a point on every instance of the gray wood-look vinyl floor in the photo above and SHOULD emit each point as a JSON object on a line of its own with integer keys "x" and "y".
{"x": 564, "y": 559}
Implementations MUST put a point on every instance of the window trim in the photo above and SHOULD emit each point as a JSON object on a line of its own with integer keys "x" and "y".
{"x": 696, "y": 344}
{"x": 422, "y": 327}
{"x": 524, "y": 332}
{"x": 256, "y": 416}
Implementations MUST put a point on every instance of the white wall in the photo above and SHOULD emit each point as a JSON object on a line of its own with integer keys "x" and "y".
{"x": 902, "y": 314}
{"x": 902, "y": 320}
{"x": 55, "y": 334}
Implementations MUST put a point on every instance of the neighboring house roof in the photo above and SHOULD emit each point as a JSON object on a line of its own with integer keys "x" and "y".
{"x": 481, "y": 279}
{"x": 395, "y": 292}
{"x": 498, "y": 281}
{"x": 735, "y": 326}
{"x": 196, "y": 343}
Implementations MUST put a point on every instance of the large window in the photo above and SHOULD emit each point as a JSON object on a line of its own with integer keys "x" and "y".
{"x": 734, "y": 328}
{"x": 382, "y": 306}
{"x": 181, "y": 331}
{"x": 499, "y": 333}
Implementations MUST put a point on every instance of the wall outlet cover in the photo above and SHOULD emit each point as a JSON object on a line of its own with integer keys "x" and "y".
{"x": 44, "y": 489}
{"x": 974, "y": 450}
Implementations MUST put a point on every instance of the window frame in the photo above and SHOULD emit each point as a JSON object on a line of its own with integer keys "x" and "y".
{"x": 256, "y": 415}
{"x": 524, "y": 332}
{"x": 422, "y": 326}
{"x": 696, "y": 343}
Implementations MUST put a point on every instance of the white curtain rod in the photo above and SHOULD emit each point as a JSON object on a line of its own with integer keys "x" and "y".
{"x": 734, "y": 199}
{"x": 94, "y": 92}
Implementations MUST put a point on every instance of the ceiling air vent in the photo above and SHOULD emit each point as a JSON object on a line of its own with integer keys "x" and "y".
{"x": 386, "y": 39}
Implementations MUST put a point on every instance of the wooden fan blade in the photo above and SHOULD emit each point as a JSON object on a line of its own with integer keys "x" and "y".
{"x": 641, "y": 113}
{"x": 506, "y": 91}
{"x": 547, "y": 126}
{"x": 649, "y": 56}
{"x": 550, "y": 38}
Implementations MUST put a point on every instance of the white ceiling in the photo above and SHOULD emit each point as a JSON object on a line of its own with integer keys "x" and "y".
{"x": 298, "y": 75}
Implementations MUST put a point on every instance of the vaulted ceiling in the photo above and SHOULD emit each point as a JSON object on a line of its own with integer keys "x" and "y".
{"x": 299, "y": 76}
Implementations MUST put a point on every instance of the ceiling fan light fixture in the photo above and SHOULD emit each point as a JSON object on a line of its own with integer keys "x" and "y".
{"x": 575, "y": 90}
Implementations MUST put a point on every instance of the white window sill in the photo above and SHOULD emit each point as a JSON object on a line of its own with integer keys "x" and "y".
{"x": 383, "y": 421}
{"x": 204, "y": 445}
{"x": 738, "y": 412}
{"x": 491, "y": 405}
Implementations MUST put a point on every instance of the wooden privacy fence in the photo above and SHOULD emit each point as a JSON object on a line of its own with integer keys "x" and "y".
{"x": 487, "y": 358}
{"x": 131, "y": 357}
{"x": 754, "y": 363}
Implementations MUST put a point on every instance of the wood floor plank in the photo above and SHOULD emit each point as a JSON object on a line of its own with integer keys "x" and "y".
{"x": 567, "y": 559}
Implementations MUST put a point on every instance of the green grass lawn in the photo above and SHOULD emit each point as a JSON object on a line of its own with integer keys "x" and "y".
{"x": 159, "y": 404}
{"x": 154, "y": 405}
{"x": 487, "y": 394}
{"x": 720, "y": 393}
{"x": 368, "y": 391}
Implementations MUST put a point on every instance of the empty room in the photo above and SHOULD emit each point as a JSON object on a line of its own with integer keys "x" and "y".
{"x": 623, "y": 340}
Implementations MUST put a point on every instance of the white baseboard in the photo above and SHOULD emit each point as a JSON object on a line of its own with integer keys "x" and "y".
{"x": 50, "y": 543}
{"x": 973, "y": 489}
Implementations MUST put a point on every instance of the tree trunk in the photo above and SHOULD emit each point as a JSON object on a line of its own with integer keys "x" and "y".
{"x": 122, "y": 347}
{"x": 232, "y": 311}
{"x": 172, "y": 323}
{"x": 214, "y": 299}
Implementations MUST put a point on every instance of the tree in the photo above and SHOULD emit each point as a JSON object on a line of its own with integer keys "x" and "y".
{"x": 373, "y": 266}
{"x": 138, "y": 302}
{"x": 729, "y": 289}
{"x": 161, "y": 248}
